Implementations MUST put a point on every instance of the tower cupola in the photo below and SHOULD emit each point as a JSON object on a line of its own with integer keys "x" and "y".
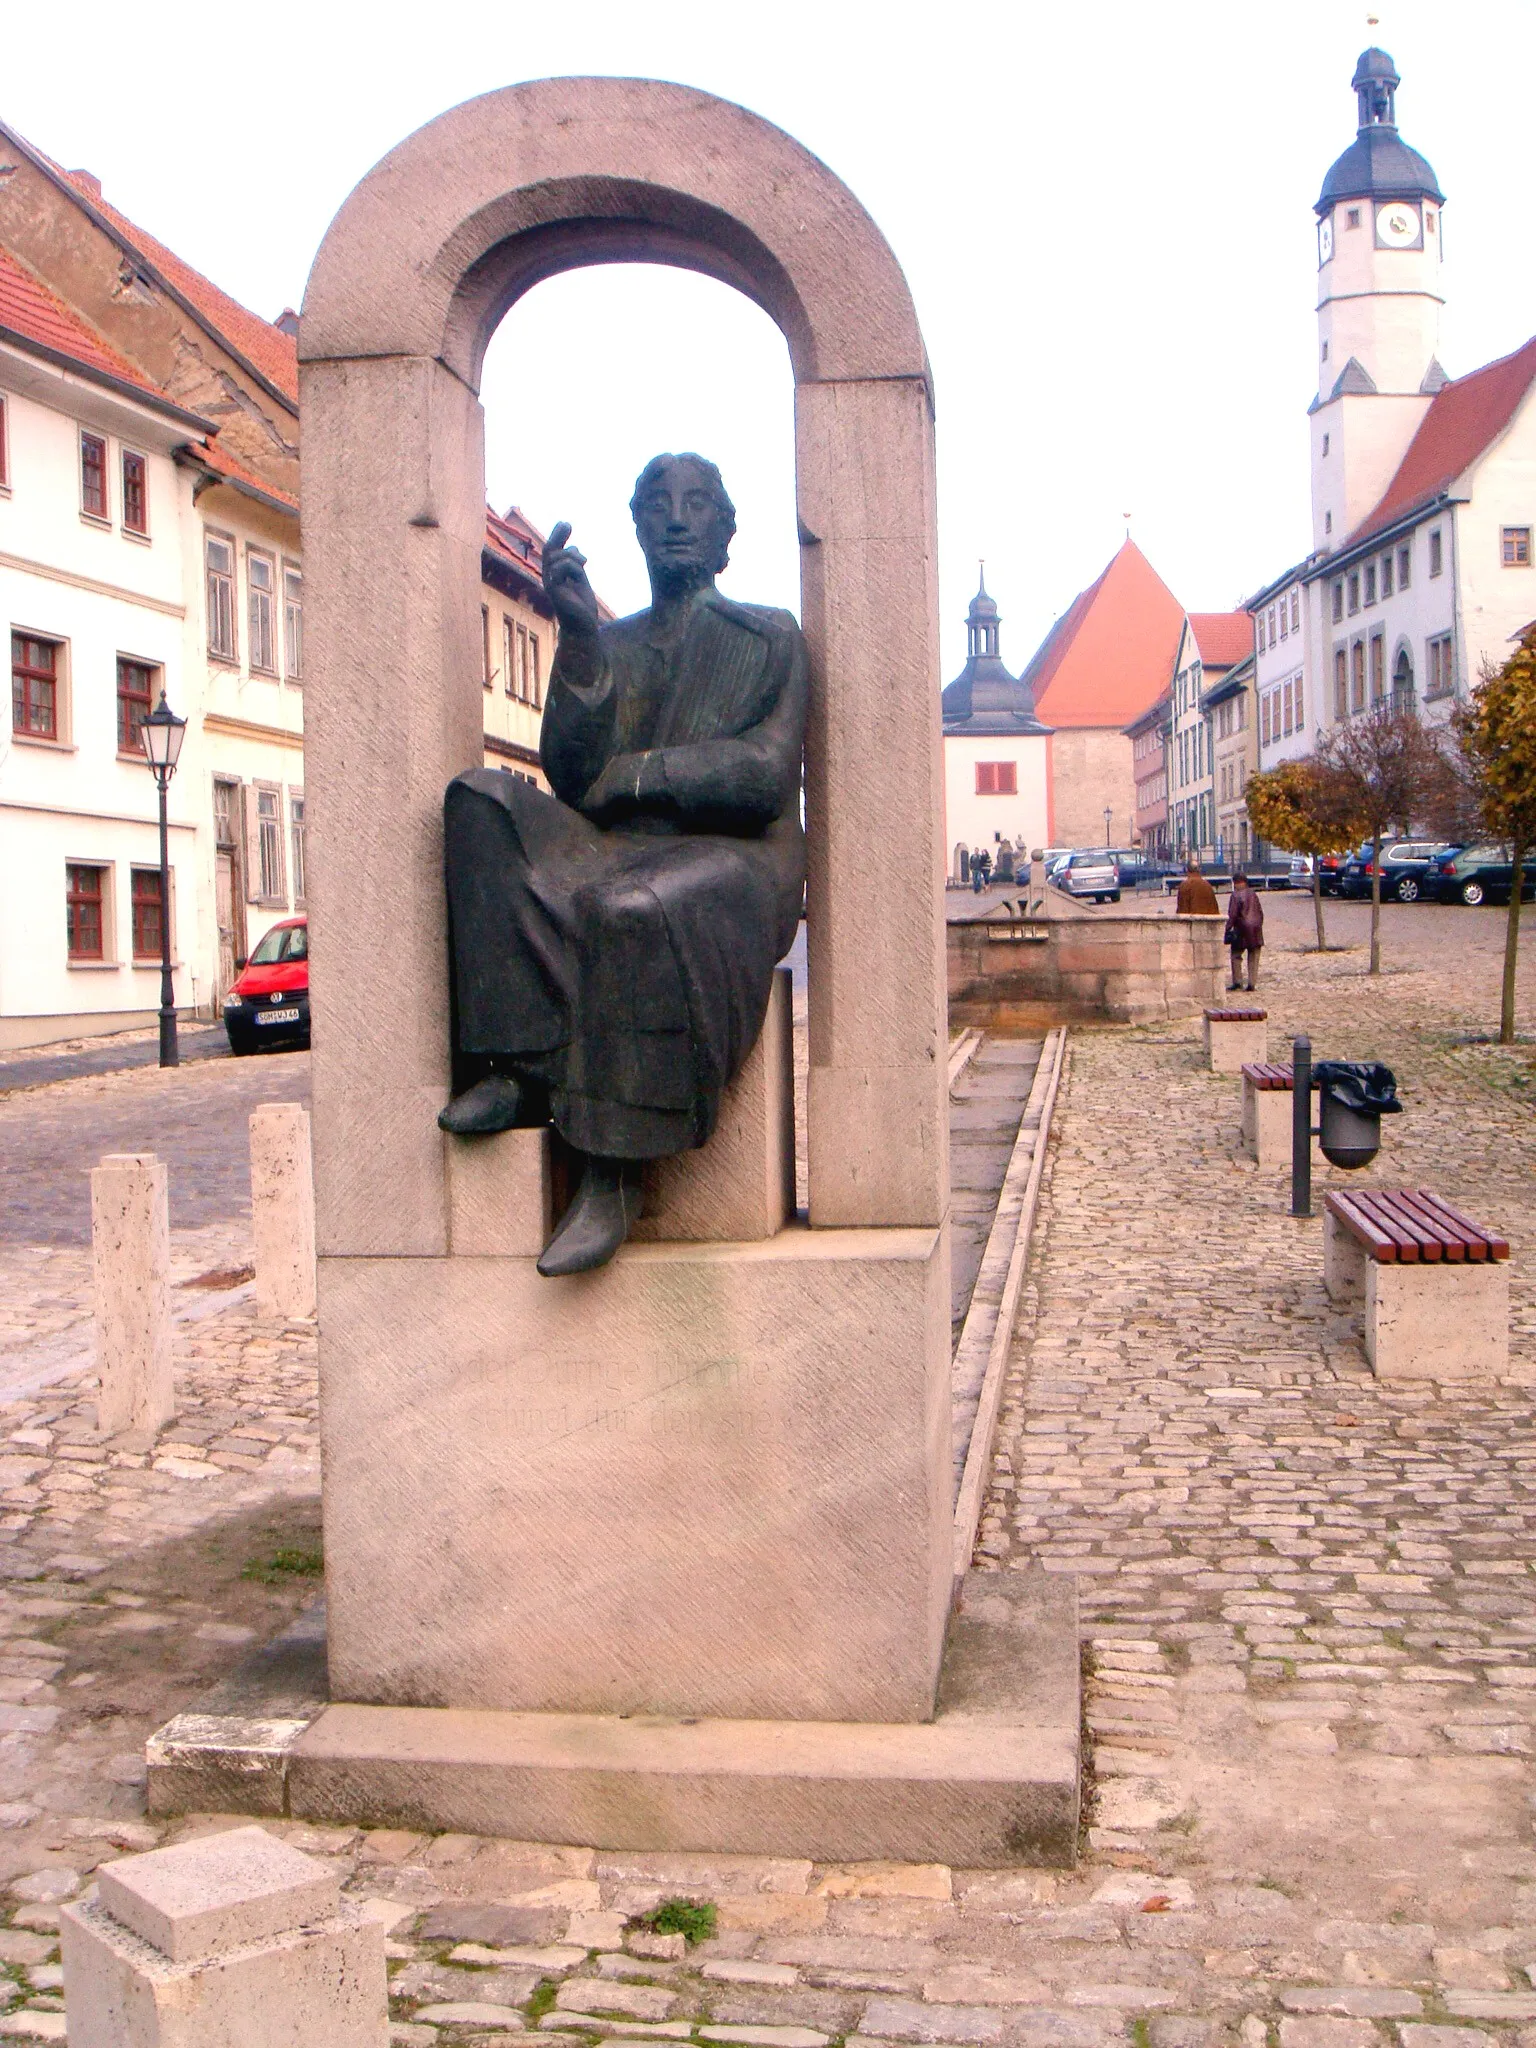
{"x": 1378, "y": 164}
{"x": 986, "y": 697}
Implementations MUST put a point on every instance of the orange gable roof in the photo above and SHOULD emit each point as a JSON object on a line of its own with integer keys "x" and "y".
{"x": 1464, "y": 419}
{"x": 1110, "y": 654}
{"x": 30, "y": 310}
{"x": 1223, "y": 638}
{"x": 220, "y": 463}
{"x": 270, "y": 352}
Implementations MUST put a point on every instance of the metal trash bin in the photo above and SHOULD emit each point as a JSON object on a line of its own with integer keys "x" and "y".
{"x": 1354, "y": 1096}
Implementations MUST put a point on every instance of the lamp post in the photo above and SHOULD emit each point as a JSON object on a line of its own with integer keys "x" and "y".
{"x": 161, "y": 735}
{"x": 1108, "y": 814}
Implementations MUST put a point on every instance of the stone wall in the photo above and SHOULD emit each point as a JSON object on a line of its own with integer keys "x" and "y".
{"x": 1129, "y": 970}
{"x": 1091, "y": 772}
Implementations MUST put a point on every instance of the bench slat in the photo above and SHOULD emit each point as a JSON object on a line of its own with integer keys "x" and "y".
{"x": 1413, "y": 1226}
{"x": 1497, "y": 1247}
{"x": 1457, "y": 1246}
{"x": 1268, "y": 1074}
{"x": 1377, "y": 1241}
{"x": 1236, "y": 1016}
{"x": 1396, "y": 1213}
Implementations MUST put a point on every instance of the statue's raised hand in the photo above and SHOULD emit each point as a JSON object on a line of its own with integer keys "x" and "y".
{"x": 566, "y": 585}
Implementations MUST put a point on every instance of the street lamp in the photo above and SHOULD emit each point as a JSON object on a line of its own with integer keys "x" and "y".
{"x": 1108, "y": 814}
{"x": 161, "y": 735}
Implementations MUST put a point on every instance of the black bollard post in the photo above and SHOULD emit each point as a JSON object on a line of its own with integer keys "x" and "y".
{"x": 1301, "y": 1127}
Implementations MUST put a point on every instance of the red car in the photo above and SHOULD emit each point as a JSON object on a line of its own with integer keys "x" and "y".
{"x": 269, "y": 1003}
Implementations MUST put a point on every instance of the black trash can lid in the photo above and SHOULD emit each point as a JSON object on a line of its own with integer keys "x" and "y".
{"x": 1365, "y": 1086}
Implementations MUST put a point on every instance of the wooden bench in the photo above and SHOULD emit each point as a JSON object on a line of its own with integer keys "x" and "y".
{"x": 1434, "y": 1285}
{"x": 1233, "y": 1036}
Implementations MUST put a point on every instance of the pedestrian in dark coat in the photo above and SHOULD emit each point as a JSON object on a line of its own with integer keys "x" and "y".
{"x": 1196, "y": 896}
{"x": 1245, "y": 931}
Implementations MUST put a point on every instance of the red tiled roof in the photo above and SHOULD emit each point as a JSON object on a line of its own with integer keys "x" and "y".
{"x": 1464, "y": 419}
{"x": 1223, "y": 638}
{"x": 1110, "y": 654}
{"x": 265, "y": 347}
{"x": 516, "y": 539}
{"x": 29, "y": 309}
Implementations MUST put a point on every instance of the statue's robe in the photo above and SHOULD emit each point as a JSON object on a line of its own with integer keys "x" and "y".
{"x": 615, "y": 942}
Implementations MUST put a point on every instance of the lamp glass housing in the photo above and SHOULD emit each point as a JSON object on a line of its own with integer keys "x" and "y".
{"x": 161, "y": 735}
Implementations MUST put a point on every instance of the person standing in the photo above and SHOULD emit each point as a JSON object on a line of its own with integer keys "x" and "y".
{"x": 981, "y": 870}
{"x": 1245, "y": 931}
{"x": 1196, "y": 896}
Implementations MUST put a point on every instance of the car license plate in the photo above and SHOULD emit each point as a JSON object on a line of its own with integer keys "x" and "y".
{"x": 276, "y": 1016}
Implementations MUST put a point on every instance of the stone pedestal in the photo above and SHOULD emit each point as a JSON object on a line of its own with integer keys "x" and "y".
{"x": 708, "y": 1479}
{"x": 283, "y": 1210}
{"x": 235, "y": 1937}
{"x": 1266, "y": 1125}
{"x": 991, "y": 1780}
{"x": 1433, "y": 1322}
{"x": 1231, "y": 1041}
{"x": 131, "y": 1271}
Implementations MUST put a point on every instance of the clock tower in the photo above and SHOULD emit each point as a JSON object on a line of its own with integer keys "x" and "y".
{"x": 1379, "y": 233}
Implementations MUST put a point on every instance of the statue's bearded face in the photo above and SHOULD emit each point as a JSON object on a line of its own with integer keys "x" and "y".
{"x": 680, "y": 525}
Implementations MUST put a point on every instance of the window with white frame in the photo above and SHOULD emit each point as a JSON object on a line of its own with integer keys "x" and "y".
{"x": 261, "y": 594}
{"x": 219, "y": 579}
{"x": 296, "y": 843}
{"x": 293, "y": 622}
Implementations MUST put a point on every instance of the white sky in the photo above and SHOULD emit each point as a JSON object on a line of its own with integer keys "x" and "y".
{"x": 1104, "y": 213}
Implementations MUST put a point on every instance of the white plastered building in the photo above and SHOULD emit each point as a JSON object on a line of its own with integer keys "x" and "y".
{"x": 1423, "y": 486}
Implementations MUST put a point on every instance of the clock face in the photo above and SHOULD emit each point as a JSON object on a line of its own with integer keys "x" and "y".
{"x": 1325, "y": 239}
{"x": 1397, "y": 225}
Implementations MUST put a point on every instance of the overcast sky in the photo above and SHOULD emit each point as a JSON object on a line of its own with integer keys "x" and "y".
{"x": 1104, "y": 213}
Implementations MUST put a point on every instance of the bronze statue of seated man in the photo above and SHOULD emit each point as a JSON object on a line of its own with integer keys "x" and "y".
{"x": 613, "y": 945}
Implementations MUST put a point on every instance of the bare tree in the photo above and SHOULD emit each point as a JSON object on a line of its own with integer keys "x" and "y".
{"x": 1390, "y": 766}
{"x": 1302, "y": 807}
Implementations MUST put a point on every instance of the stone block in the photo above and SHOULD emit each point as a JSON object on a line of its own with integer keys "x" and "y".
{"x": 1343, "y": 1260}
{"x": 131, "y": 1272}
{"x": 500, "y": 1202}
{"x": 283, "y": 1209}
{"x": 238, "y": 1888}
{"x": 1229, "y": 1046}
{"x": 233, "y": 1937}
{"x": 1441, "y": 1322}
{"x": 1266, "y": 1126}
{"x": 741, "y": 1185}
{"x": 705, "y": 1480}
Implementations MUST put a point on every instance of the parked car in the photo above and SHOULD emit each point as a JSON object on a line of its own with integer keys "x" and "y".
{"x": 1404, "y": 865}
{"x": 1090, "y": 873}
{"x": 1329, "y": 865}
{"x": 269, "y": 1002}
{"x": 1478, "y": 874}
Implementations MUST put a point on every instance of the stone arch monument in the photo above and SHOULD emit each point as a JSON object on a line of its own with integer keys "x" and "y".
{"x": 712, "y": 1478}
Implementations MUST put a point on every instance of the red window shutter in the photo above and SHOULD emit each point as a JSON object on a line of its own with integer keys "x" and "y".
{"x": 1007, "y": 778}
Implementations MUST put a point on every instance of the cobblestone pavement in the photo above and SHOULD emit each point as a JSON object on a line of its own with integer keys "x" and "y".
{"x": 195, "y": 1119}
{"x": 38, "y": 1066}
{"x": 1309, "y": 1620}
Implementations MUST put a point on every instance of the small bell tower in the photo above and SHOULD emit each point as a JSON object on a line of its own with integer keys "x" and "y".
{"x": 1379, "y": 234}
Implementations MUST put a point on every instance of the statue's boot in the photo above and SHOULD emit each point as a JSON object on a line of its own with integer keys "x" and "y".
{"x": 598, "y": 1221}
{"x": 495, "y": 1104}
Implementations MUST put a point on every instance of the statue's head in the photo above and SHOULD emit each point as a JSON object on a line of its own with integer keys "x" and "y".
{"x": 684, "y": 520}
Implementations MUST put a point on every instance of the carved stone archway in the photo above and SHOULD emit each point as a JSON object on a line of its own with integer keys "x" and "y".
{"x": 423, "y": 260}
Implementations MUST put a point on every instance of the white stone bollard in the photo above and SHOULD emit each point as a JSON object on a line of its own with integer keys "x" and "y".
{"x": 283, "y": 1210}
{"x": 234, "y": 1937}
{"x": 131, "y": 1262}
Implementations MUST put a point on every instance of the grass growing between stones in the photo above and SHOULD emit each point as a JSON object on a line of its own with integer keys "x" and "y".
{"x": 542, "y": 2001}
{"x": 283, "y": 1566}
{"x": 694, "y": 1919}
